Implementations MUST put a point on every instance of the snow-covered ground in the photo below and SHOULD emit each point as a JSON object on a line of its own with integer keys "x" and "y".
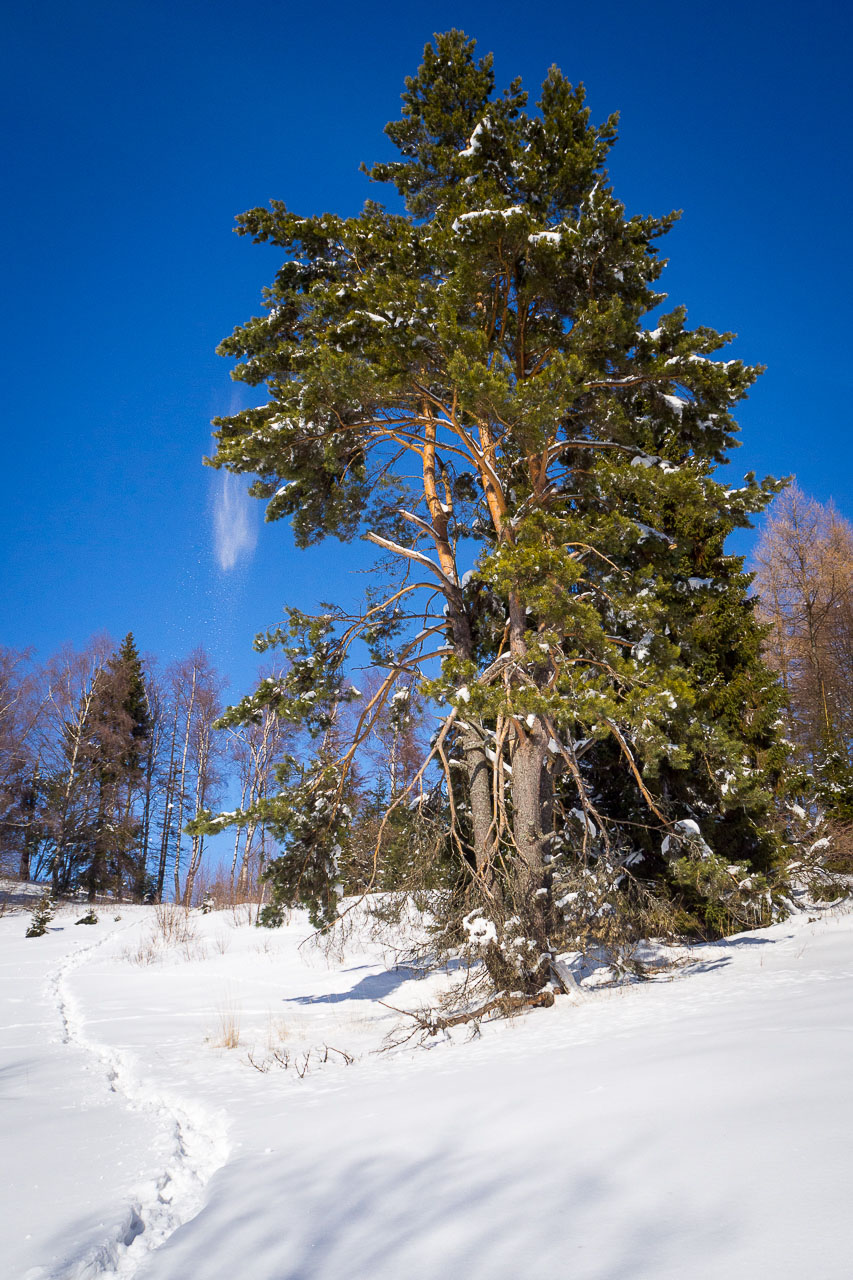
{"x": 699, "y": 1125}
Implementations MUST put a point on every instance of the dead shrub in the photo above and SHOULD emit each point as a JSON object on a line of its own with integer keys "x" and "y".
{"x": 146, "y": 952}
{"x": 300, "y": 1062}
{"x": 228, "y": 1032}
{"x": 172, "y": 924}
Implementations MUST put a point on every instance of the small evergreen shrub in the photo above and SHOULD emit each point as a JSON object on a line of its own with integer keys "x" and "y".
{"x": 270, "y": 917}
{"x": 43, "y": 913}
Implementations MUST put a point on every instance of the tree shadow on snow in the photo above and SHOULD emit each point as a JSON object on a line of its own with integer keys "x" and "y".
{"x": 716, "y": 961}
{"x": 746, "y": 940}
{"x": 481, "y": 1212}
{"x": 374, "y": 987}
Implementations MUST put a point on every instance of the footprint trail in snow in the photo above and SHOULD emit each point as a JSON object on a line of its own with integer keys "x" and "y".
{"x": 197, "y": 1139}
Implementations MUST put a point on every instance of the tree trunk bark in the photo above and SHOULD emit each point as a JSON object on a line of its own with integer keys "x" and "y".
{"x": 478, "y": 769}
{"x": 532, "y": 818}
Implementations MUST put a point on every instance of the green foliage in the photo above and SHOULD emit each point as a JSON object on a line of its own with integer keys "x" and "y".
{"x": 271, "y": 916}
{"x": 313, "y": 686}
{"x": 832, "y": 784}
{"x": 724, "y": 899}
{"x": 312, "y": 825}
{"x": 308, "y": 815}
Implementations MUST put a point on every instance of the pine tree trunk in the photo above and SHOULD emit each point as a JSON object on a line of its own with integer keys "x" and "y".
{"x": 532, "y": 799}
{"x": 473, "y": 745}
{"x": 530, "y": 788}
{"x": 479, "y": 772}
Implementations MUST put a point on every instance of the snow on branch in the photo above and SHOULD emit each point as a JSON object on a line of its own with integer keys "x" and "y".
{"x": 418, "y": 556}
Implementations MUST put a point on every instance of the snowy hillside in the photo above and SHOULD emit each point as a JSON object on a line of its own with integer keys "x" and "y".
{"x": 698, "y": 1125}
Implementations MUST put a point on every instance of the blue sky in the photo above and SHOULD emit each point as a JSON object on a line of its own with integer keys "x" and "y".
{"x": 136, "y": 132}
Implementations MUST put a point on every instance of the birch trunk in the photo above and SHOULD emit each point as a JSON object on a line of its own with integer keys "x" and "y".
{"x": 182, "y": 788}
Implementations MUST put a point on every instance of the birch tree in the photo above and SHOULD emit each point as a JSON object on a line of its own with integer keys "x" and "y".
{"x": 192, "y": 767}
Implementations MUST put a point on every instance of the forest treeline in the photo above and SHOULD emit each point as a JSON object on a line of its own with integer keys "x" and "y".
{"x": 104, "y": 759}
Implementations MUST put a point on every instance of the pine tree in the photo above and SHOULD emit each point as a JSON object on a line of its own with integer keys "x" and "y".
{"x": 607, "y": 736}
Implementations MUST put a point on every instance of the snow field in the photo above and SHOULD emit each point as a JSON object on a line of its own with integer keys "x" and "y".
{"x": 196, "y": 1140}
{"x": 699, "y": 1124}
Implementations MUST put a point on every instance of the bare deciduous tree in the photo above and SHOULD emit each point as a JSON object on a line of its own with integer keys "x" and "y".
{"x": 22, "y": 710}
{"x": 255, "y": 749}
{"x": 193, "y": 755}
{"x": 804, "y": 581}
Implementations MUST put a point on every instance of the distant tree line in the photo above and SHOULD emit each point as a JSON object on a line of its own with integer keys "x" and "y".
{"x": 107, "y": 761}
{"x": 104, "y": 759}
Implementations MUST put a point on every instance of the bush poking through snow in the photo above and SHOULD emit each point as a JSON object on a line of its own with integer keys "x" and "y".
{"x": 172, "y": 925}
{"x": 172, "y": 930}
{"x": 228, "y": 1036}
{"x": 89, "y": 918}
{"x": 145, "y": 953}
{"x": 300, "y": 1062}
{"x": 45, "y": 909}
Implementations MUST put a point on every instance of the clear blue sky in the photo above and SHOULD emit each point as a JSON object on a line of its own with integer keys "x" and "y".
{"x": 136, "y": 131}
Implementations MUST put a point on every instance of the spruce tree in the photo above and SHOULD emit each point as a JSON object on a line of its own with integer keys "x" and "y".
{"x": 136, "y": 706}
{"x": 109, "y": 743}
{"x": 43, "y": 913}
{"x": 606, "y": 737}
{"x": 128, "y": 665}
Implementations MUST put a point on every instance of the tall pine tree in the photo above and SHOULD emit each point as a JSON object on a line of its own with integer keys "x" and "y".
{"x": 606, "y": 735}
